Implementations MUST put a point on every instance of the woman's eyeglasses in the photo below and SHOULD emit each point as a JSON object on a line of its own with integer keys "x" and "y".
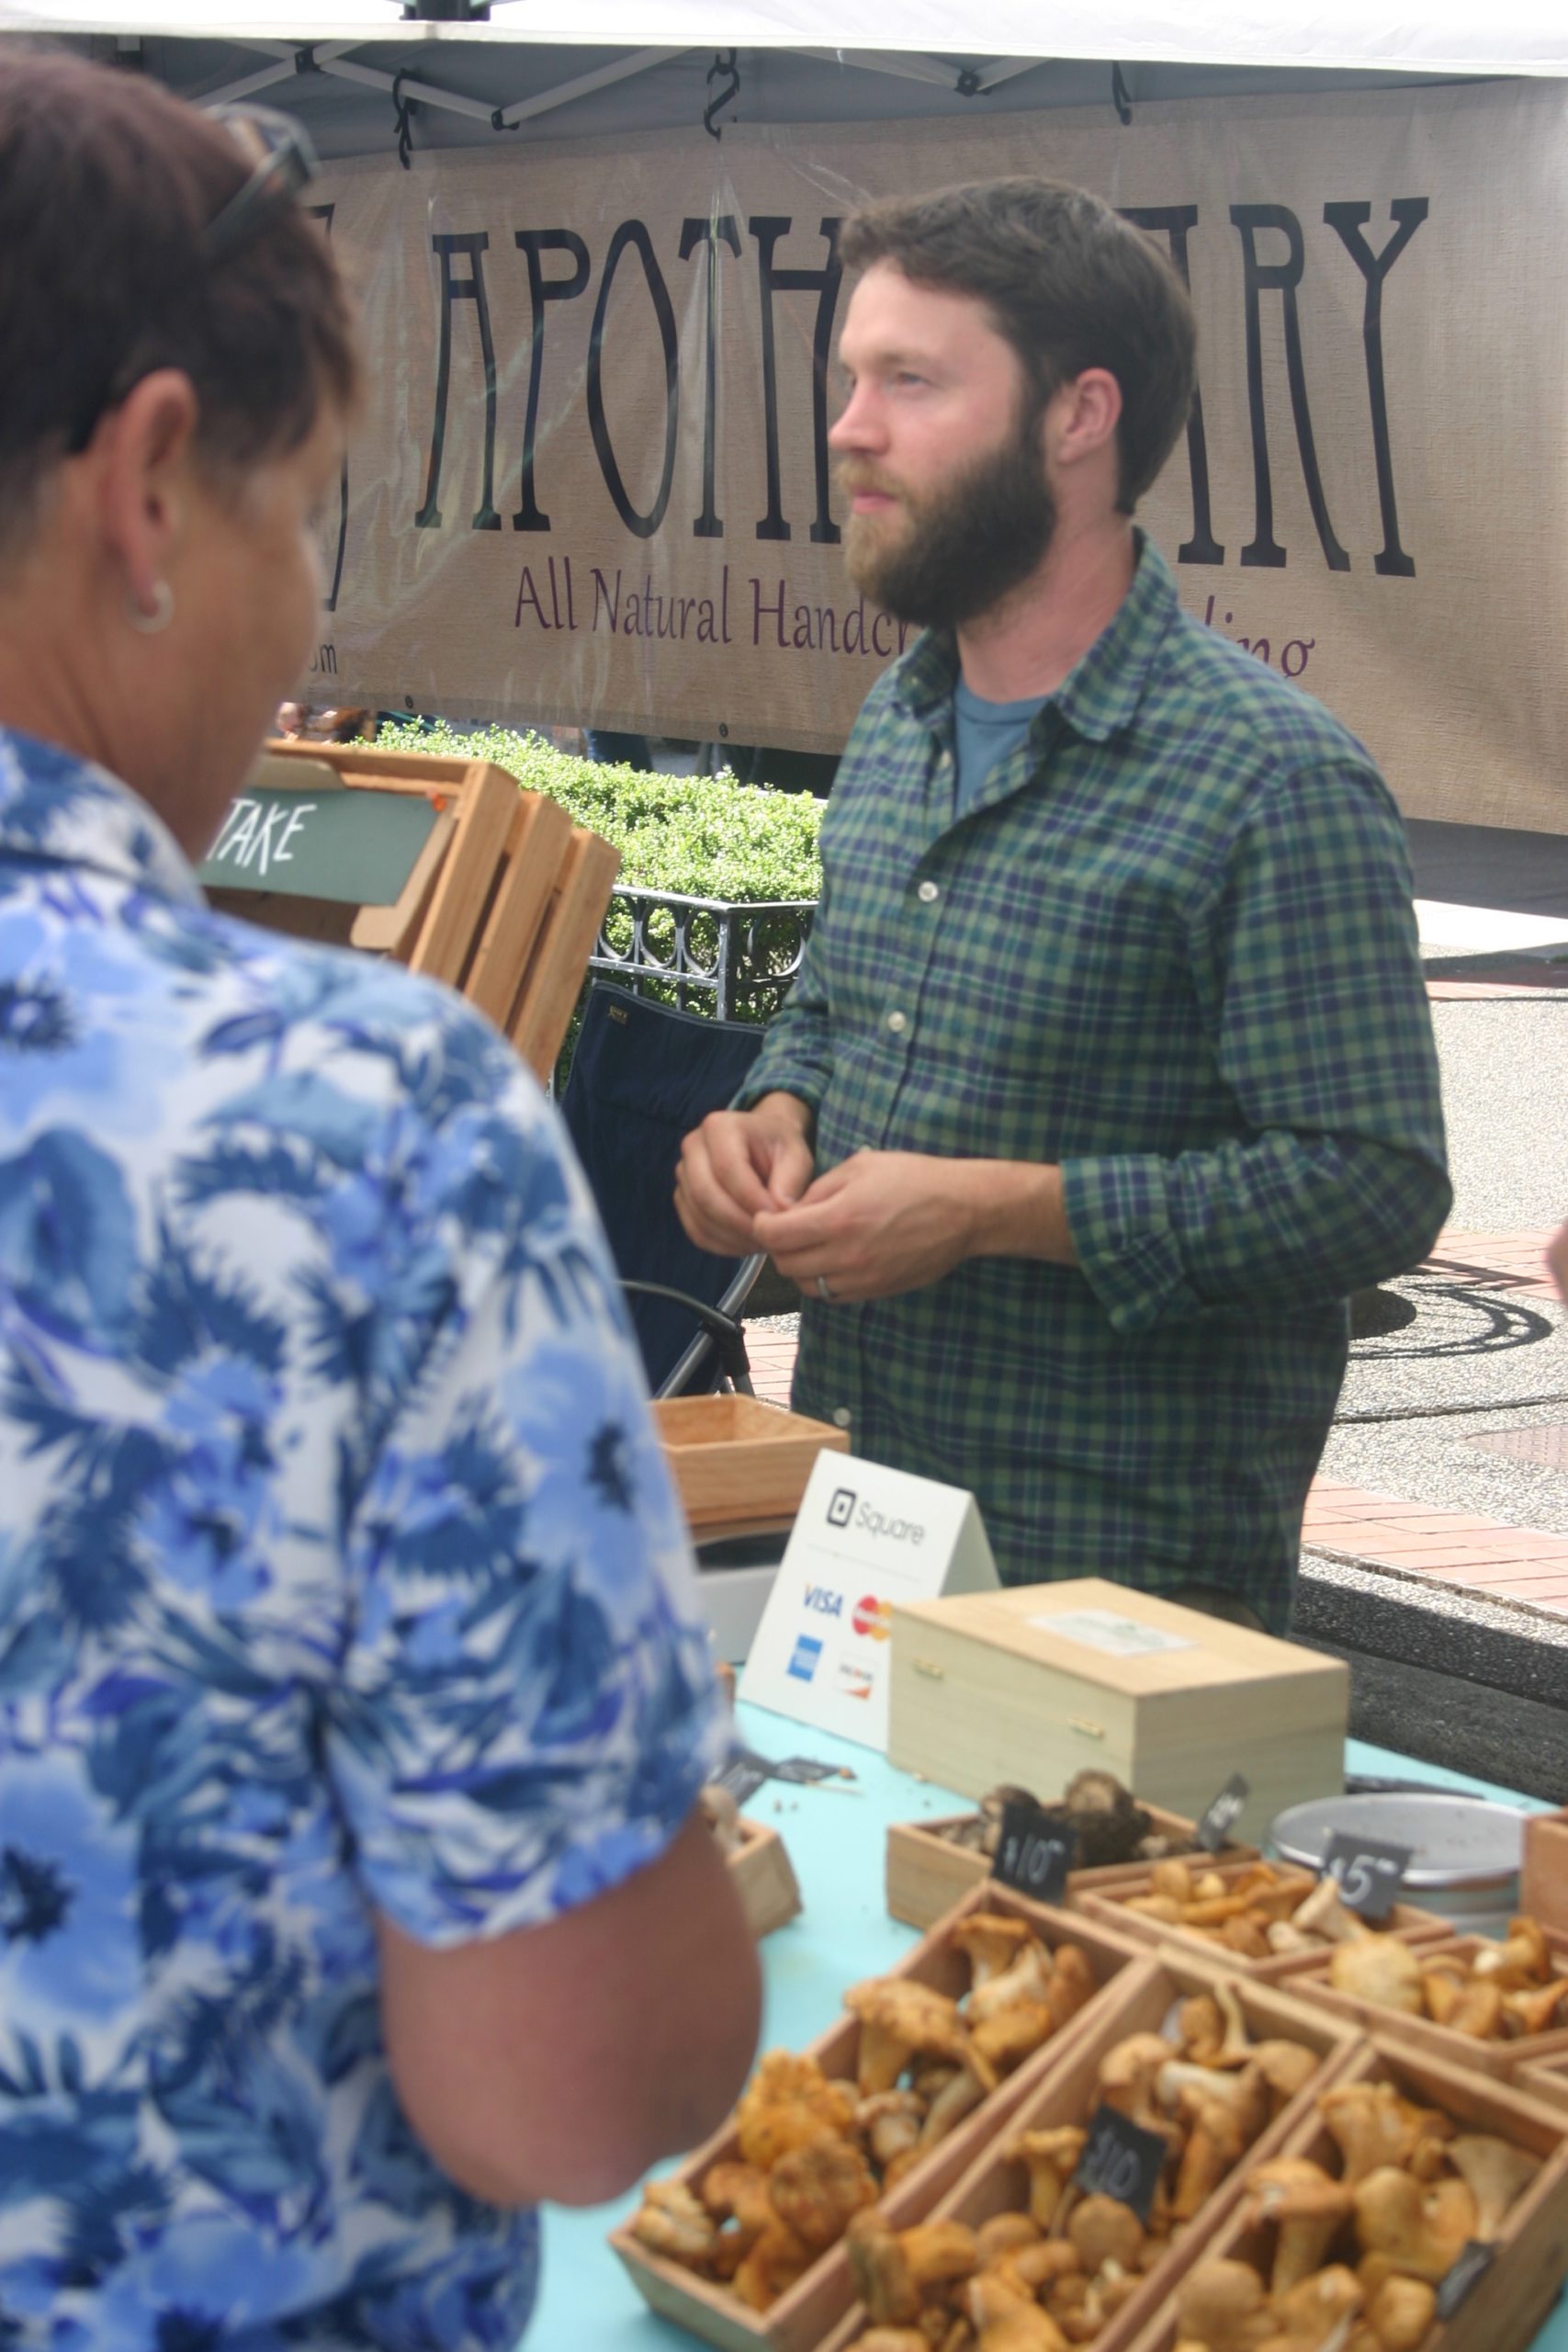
{"x": 283, "y": 162}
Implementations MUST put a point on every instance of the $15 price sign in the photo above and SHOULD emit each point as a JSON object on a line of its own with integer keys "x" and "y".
{"x": 1368, "y": 1871}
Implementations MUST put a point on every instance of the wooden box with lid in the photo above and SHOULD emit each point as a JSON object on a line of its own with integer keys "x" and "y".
{"x": 1032, "y": 1684}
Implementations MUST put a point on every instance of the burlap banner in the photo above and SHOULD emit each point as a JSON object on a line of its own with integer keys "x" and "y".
{"x": 594, "y": 482}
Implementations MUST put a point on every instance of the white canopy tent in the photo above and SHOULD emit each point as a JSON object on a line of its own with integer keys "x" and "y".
{"x": 566, "y": 67}
{"x": 532, "y": 502}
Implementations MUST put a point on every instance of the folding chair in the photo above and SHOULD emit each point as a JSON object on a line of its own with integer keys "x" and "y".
{"x": 643, "y": 1075}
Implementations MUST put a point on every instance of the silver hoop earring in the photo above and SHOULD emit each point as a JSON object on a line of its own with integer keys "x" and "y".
{"x": 154, "y": 623}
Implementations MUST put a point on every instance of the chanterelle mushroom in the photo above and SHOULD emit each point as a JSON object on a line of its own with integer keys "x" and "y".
{"x": 1422, "y": 2230}
{"x": 1223, "y": 2305}
{"x": 1401, "y": 2314}
{"x": 1105, "y": 2231}
{"x": 899, "y": 2018}
{"x": 1524, "y": 1959}
{"x": 992, "y": 1942}
{"x": 1379, "y": 1969}
{"x": 1051, "y": 2158}
{"x": 1308, "y": 2207}
{"x": 1373, "y": 2126}
{"x": 1498, "y": 2173}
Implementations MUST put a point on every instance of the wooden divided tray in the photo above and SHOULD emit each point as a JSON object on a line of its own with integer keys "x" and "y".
{"x": 1501, "y": 2059}
{"x": 763, "y": 1876}
{"x": 1543, "y": 1883}
{"x": 927, "y": 1873}
{"x": 739, "y": 1463}
{"x": 799, "y": 2319}
{"x": 1108, "y": 1902}
{"x": 444, "y": 865}
{"x": 1063, "y": 2092}
{"x": 1507, "y": 2305}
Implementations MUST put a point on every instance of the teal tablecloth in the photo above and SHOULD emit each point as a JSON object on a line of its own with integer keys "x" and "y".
{"x": 837, "y": 1844}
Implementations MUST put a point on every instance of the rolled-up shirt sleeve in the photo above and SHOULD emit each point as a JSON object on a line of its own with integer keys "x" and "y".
{"x": 1307, "y": 965}
{"x": 525, "y": 1708}
{"x": 797, "y": 1058}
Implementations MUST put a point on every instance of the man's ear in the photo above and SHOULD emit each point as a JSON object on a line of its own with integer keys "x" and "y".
{"x": 1083, "y": 415}
{"x": 141, "y": 453}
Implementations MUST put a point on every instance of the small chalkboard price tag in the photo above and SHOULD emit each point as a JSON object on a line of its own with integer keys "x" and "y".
{"x": 1462, "y": 2276}
{"x": 1031, "y": 1854}
{"x": 1214, "y": 1827}
{"x": 1122, "y": 2160}
{"x": 1366, "y": 1870}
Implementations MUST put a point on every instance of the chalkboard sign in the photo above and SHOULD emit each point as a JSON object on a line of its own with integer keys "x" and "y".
{"x": 1122, "y": 2160}
{"x": 355, "y": 848}
{"x": 442, "y": 863}
{"x": 1463, "y": 2275}
{"x": 1032, "y": 1854}
{"x": 1366, "y": 1870}
{"x": 1214, "y": 1825}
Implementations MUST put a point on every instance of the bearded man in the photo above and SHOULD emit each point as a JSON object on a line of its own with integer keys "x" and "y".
{"x": 1109, "y": 1074}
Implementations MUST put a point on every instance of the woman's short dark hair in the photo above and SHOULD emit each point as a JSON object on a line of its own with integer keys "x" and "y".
{"x": 107, "y": 182}
{"x": 1069, "y": 283}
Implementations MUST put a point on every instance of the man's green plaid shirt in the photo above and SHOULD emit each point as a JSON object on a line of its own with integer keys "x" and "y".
{"x": 1171, "y": 947}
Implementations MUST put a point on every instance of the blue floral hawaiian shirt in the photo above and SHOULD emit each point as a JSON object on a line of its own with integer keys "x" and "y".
{"x": 338, "y": 1570}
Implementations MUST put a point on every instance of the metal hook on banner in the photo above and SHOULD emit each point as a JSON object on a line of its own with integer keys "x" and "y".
{"x": 723, "y": 67}
{"x": 403, "y": 109}
{"x": 1121, "y": 98}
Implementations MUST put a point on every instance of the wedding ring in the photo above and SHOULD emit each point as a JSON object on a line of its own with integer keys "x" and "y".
{"x": 823, "y": 1292}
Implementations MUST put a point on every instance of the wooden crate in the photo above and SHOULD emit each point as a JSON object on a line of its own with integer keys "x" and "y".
{"x": 1500, "y": 2059}
{"x": 799, "y": 2319}
{"x": 1109, "y": 1903}
{"x": 1505, "y": 2308}
{"x": 1543, "y": 1883}
{"x": 1138, "y": 2001}
{"x": 988, "y": 1687}
{"x": 927, "y": 1873}
{"x": 764, "y": 1877}
{"x": 504, "y": 902}
{"x": 737, "y": 1462}
{"x": 1546, "y": 2079}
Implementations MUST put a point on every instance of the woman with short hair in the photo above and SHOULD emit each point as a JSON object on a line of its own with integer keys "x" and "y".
{"x": 353, "y": 1697}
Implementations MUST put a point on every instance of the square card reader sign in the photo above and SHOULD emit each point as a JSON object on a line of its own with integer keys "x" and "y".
{"x": 865, "y": 1538}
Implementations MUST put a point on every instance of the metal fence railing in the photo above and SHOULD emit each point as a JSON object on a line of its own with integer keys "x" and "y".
{"x": 733, "y": 958}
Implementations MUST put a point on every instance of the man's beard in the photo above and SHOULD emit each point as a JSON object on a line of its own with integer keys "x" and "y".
{"x": 964, "y": 547}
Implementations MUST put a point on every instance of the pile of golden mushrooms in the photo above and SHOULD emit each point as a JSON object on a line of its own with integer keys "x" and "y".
{"x": 1263, "y": 1912}
{"x": 814, "y": 2152}
{"x": 1053, "y": 2268}
{"x": 1499, "y": 1993}
{"x": 1361, "y": 2241}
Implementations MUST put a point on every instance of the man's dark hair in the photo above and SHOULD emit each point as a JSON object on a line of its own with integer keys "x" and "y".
{"x": 1068, "y": 282}
{"x": 107, "y": 182}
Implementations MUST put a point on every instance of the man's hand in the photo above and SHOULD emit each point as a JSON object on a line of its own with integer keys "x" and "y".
{"x": 889, "y": 1221}
{"x": 739, "y": 1163}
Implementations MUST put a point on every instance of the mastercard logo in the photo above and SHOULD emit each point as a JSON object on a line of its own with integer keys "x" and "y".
{"x": 873, "y": 1618}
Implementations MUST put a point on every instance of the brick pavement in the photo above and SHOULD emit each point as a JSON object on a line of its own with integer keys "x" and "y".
{"x": 1388, "y": 1530}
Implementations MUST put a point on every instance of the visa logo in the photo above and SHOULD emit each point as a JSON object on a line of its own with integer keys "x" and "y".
{"x": 826, "y": 1603}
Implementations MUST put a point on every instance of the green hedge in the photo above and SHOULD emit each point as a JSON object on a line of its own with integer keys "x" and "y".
{"x": 702, "y": 837}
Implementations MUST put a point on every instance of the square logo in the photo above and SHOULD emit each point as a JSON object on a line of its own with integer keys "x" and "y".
{"x": 841, "y": 1508}
{"x": 807, "y": 1655}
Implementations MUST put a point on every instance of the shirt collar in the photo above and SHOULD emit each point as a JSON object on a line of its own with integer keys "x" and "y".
{"x": 57, "y": 806}
{"x": 1101, "y": 694}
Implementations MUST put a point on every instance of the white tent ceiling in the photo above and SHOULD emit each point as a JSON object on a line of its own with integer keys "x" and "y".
{"x": 1436, "y": 36}
{"x": 569, "y": 67}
